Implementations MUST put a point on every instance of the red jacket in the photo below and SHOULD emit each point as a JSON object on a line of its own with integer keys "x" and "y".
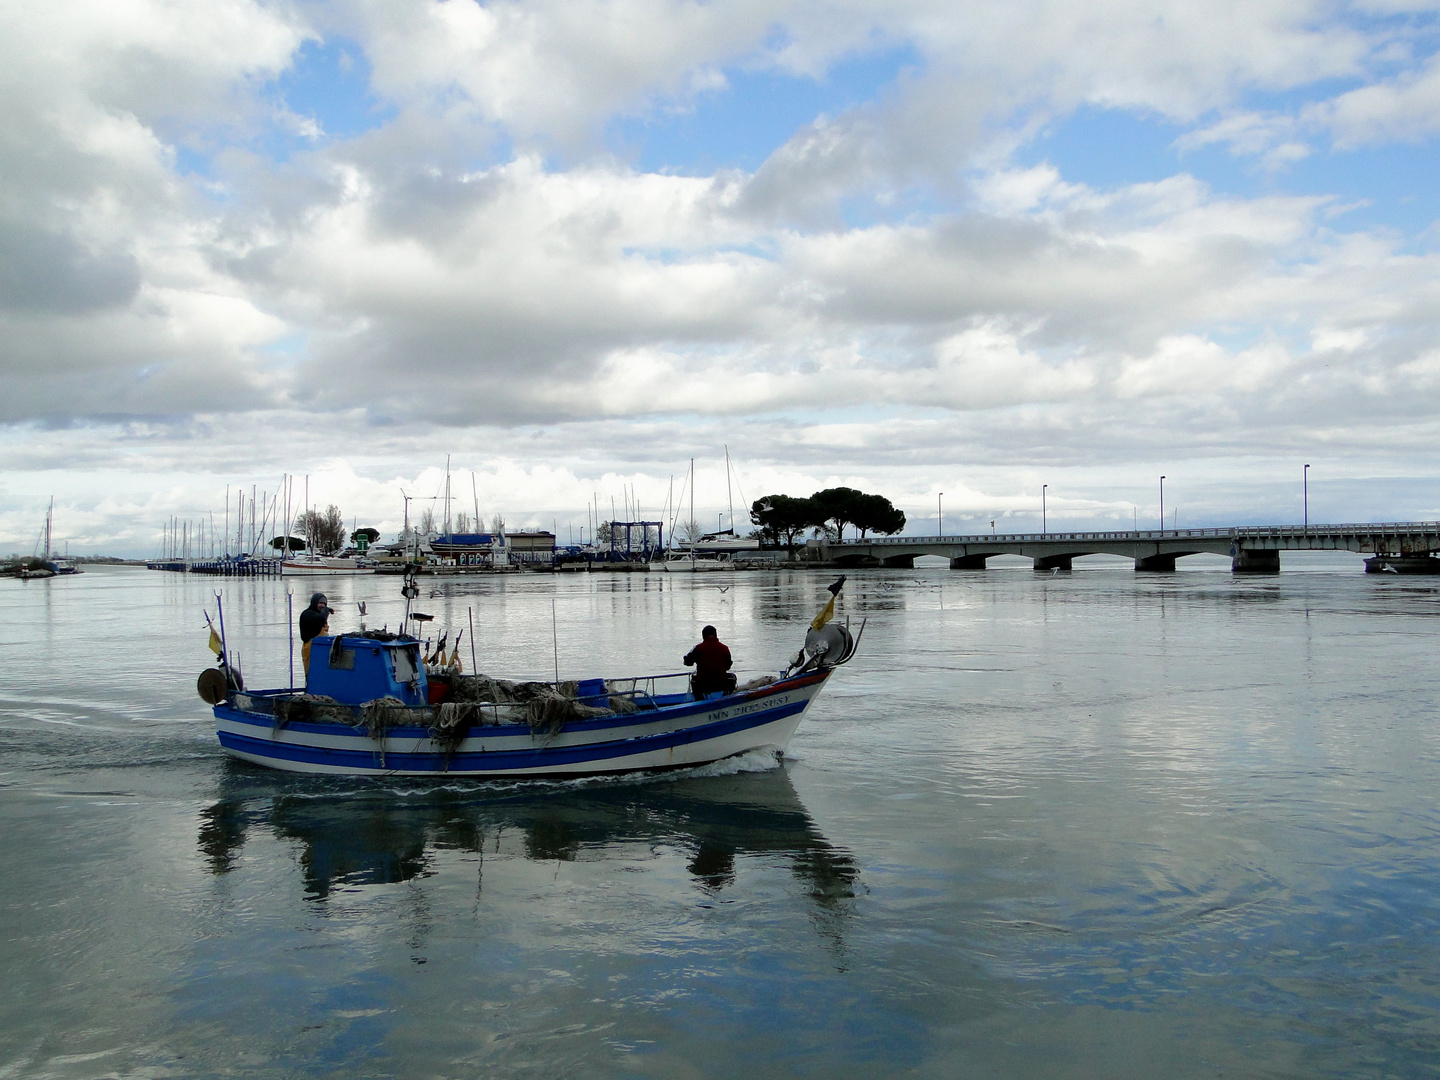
{"x": 711, "y": 659}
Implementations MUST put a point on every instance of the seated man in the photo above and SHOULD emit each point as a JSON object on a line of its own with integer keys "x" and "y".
{"x": 712, "y": 664}
{"x": 314, "y": 621}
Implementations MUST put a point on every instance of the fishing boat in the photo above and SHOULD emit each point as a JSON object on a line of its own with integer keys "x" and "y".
{"x": 376, "y": 703}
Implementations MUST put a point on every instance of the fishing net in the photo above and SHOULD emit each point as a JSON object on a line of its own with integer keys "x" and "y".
{"x": 310, "y": 709}
{"x": 379, "y": 716}
{"x": 545, "y": 707}
{"x": 453, "y": 721}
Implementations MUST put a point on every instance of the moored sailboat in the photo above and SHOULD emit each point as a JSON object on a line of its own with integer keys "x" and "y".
{"x": 50, "y": 566}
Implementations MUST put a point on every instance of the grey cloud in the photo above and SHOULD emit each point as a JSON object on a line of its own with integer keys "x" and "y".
{"x": 642, "y": 317}
{"x": 51, "y": 272}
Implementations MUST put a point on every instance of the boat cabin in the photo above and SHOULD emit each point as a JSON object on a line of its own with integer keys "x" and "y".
{"x": 356, "y": 668}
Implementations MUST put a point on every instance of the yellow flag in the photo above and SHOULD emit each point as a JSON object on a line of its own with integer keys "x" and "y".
{"x": 215, "y": 645}
{"x": 826, "y": 614}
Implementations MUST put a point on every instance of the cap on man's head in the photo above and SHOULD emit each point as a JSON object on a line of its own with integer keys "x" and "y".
{"x": 317, "y": 599}
{"x": 709, "y": 631}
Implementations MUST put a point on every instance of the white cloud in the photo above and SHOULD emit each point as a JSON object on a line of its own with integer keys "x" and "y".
{"x": 889, "y": 264}
{"x": 1401, "y": 109}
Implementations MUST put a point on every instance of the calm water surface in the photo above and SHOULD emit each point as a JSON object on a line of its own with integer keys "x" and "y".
{"x": 1102, "y": 824}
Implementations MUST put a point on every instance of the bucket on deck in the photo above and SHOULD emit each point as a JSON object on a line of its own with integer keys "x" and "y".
{"x": 592, "y": 692}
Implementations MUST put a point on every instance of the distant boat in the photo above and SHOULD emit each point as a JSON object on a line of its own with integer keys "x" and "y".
{"x": 711, "y": 551}
{"x": 310, "y": 564}
{"x": 48, "y": 562}
{"x": 722, "y": 542}
{"x": 694, "y": 563}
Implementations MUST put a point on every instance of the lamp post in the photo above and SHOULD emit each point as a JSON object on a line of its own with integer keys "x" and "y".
{"x": 1305, "y": 490}
{"x": 1044, "y": 526}
{"x": 1162, "y": 506}
{"x": 940, "y": 513}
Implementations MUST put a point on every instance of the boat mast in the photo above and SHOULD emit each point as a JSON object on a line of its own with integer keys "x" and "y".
{"x": 690, "y": 526}
{"x": 48, "y": 515}
{"x": 729, "y": 498}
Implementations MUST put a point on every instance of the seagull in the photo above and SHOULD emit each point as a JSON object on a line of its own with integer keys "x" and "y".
{"x": 1387, "y": 568}
{"x": 361, "y": 606}
{"x": 723, "y": 588}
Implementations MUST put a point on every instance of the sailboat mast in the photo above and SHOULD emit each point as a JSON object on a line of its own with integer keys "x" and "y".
{"x": 729, "y": 498}
{"x": 48, "y": 515}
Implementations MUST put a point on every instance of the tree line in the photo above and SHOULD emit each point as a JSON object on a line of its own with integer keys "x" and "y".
{"x": 782, "y": 519}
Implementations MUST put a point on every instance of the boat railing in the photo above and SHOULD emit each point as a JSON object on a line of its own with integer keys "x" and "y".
{"x": 635, "y": 692}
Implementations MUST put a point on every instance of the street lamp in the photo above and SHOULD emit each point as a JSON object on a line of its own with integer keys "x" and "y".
{"x": 940, "y": 513}
{"x": 1162, "y": 506}
{"x": 1043, "y": 526}
{"x": 1305, "y": 488}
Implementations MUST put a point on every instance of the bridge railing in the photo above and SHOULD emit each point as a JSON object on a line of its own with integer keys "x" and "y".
{"x": 1371, "y": 528}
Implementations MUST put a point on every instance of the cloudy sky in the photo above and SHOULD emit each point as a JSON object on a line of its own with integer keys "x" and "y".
{"x": 914, "y": 247}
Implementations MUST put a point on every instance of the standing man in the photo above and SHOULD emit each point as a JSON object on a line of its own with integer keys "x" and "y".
{"x": 314, "y": 621}
{"x": 712, "y": 664}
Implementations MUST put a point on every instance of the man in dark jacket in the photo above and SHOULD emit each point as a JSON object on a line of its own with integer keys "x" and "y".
{"x": 314, "y": 621}
{"x": 712, "y": 663}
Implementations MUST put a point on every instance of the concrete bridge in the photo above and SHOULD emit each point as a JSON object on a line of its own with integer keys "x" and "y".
{"x": 1401, "y": 547}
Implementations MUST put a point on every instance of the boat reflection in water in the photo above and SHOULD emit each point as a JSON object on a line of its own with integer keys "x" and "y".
{"x": 372, "y": 836}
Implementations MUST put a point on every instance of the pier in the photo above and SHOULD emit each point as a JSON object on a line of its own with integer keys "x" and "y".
{"x": 242, "y": 566}
{"x": 1395, "y": 547}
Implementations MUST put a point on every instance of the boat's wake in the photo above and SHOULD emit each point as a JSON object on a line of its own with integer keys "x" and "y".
{"x": 762, "y": 759}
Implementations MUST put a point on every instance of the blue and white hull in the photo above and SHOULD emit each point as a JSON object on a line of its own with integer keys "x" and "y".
{"x": 670, "y": 736}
